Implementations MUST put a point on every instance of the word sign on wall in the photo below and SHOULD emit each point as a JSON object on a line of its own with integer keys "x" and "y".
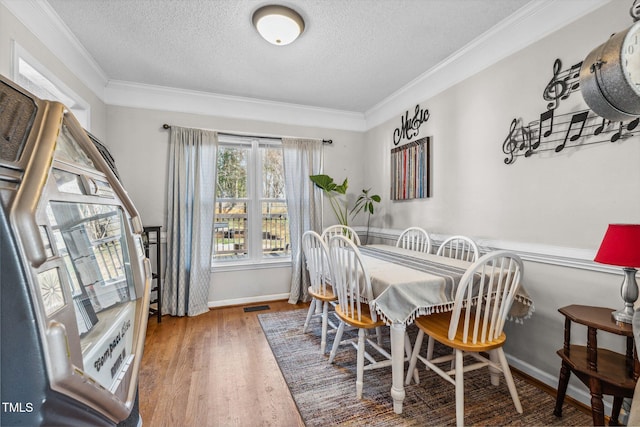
{"x": 553, "y": 132}
{"x": 410, "y": 126}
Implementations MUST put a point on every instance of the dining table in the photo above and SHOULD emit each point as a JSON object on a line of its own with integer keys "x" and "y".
{"x": 407, "y": 284}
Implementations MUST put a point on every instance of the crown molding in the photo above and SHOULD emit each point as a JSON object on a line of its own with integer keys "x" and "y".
{"x": 528, "y": 25}
{"x": 127, "y": 94}
{"x": 40, "y": 18}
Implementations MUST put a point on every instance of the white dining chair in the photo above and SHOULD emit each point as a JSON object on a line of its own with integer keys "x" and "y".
{"x": 353, "y": 288}
{"x": 341, "y": 230}
{"x": 474, "y": 326}
{"x": 416, "y": 239}
{"x": 316, "y": 254}
{"x": 459, "y": 247}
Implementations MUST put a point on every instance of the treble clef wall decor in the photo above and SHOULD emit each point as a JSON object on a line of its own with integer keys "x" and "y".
{"x": 562, "y": 84}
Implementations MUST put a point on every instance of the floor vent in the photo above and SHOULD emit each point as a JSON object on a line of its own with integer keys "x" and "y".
{"x": 256, "y": 308}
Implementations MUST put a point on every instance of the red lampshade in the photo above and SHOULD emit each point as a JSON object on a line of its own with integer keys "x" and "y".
{"x": 620, "y": 246}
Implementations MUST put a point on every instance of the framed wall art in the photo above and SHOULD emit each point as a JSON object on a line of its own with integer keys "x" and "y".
{"x": 411, "y": 170}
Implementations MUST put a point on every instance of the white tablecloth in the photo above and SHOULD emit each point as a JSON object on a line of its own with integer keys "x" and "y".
{"x": 407, "y": 284}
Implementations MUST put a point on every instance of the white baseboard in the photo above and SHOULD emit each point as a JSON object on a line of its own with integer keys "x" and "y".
{"x": 248, "y": 300}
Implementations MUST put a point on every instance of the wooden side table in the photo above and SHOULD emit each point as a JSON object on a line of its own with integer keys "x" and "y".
{"x": 603, "y": 371}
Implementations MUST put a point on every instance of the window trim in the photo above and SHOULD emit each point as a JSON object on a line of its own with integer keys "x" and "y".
{"x": 80, "y": 108}
{"x": 254, "y": 201}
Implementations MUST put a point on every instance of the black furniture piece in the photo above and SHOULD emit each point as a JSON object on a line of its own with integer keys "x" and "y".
{"x": 155, "y": 305}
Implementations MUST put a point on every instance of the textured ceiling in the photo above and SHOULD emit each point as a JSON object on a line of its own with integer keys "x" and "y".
{"x": 352, "y": 55}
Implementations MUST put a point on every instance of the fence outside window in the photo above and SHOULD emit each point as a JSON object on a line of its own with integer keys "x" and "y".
{"x": 232, "y": 226}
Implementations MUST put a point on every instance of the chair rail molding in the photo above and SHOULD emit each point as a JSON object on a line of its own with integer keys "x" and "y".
{"x": 534, "y": 252}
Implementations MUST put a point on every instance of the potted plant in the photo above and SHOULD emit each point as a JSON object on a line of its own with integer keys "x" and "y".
{"x": 336, "y": 194}
{"x": 365, "y": 202}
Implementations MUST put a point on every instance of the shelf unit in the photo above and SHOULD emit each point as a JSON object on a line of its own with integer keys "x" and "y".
{"x": 151, "y": 238}
{"x": 605, "y": 372}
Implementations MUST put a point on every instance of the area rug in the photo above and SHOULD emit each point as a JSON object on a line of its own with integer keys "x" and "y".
{"x": 325, "y": 394}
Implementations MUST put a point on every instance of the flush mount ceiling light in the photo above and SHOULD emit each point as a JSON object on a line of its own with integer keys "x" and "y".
{"x": 278, "y": 25}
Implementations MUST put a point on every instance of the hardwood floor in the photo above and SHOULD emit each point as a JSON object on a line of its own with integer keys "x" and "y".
{"x": 215, "y": 369}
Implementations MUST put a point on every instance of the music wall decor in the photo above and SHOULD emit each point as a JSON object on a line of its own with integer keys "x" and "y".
{"x": 411, "y": 170}
{"x": 554, "y": 132}
{"x": 410, "y": 126}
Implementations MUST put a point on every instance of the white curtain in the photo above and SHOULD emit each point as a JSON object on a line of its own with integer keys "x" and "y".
{"x": 302, "y": 158}
{"x": 190, "y": 199}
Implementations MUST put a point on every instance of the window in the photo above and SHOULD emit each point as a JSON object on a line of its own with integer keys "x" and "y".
{"x": 251, "y": 219}
{"x": 41, "y": 82}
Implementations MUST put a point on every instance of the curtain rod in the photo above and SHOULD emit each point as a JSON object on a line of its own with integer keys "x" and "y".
{"x": 324, "y": 141}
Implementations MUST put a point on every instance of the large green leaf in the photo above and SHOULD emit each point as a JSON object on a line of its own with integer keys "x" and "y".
{"x": 325, "y": 182}
{"x": 342, "y": 188}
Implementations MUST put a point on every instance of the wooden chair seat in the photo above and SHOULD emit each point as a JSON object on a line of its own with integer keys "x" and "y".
{"x": 437, "y": 327}
{"x": 327, "y": 295}
{"x": 365, "y": 322}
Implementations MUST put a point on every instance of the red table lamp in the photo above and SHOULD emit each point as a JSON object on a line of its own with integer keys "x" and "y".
{"x": 621, "y": 246}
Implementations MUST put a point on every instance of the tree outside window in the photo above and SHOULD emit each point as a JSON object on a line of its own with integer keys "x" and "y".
{"x": 251, "y": 219}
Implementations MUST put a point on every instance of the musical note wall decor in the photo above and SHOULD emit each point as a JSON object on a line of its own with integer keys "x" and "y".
{"x": 555, "y": 132}
{"x": 410, "y": 170}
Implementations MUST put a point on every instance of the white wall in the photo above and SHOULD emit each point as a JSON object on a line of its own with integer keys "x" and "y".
{"x": 140, "y": 146}
{"x": 11, "y": 31}
{"x": 553, "y": 208}
{"x": 553, "y": 203}
{"x": 564, "y": 199}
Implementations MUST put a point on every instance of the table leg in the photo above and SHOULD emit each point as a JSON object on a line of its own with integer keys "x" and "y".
{"x": 597, "y": 407}
{"x": 397, "y": 365}
{"x": 563, "y": 382}
{"x": 615, "y": 411}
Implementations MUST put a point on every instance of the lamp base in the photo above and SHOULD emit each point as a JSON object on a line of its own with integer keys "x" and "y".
{"x": 629, "y": 293}
{"x": 622, "y": 316}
